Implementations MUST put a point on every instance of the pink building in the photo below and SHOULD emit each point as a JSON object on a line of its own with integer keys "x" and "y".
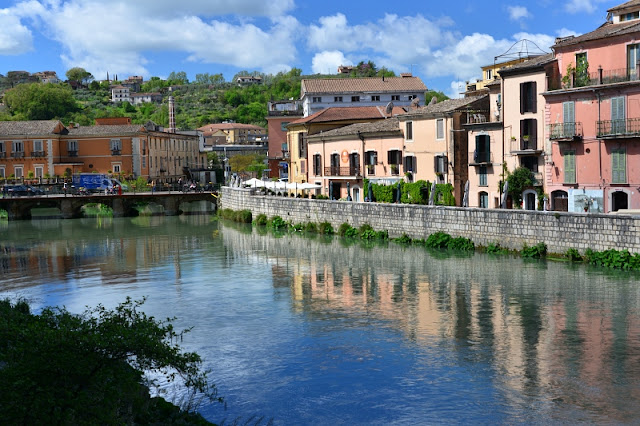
{"x": 593, "y": 117}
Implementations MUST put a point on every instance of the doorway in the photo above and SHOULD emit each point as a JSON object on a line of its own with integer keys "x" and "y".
{"x": 619, "y": 200}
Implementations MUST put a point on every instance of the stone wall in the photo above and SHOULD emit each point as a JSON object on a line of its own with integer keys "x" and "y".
{"x": 509, "y": 228}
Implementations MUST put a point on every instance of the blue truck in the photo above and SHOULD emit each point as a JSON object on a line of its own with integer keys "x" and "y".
{"x": 93, "y": 182}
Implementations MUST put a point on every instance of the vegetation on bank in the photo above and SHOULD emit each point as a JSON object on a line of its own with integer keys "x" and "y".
{"x": 615, "y": 259}
{"x": 62, "y": 368}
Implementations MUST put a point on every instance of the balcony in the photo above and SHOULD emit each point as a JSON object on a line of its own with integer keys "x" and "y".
{"x": 481, "y": 158}
{"x": 600, "y": 77}
{"x": 609, "y": 129}
{"x": 115, "y": 152}
{"x": 342, "y": 171}
{"x": 371, "y": 170}
{"x": 525, "y": 146}
{"x": 18, "y": 154}
{"x": 72, "y": 153}
{"x": 567, "y": 132}
{"x": 36, "y": 154}
{"x": 3, "y": 155}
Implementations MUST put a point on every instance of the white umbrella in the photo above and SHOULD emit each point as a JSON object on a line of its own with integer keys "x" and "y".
{"x": 465, "y": 197}
{"x": 505, "y": 192}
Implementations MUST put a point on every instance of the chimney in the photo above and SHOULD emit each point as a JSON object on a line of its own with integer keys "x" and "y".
{"x": 172, "y": 116}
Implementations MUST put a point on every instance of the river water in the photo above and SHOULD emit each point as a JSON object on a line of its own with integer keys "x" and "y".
{"x": 301, "y": 330}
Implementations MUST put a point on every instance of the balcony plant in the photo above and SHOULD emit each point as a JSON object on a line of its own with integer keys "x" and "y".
{"x": 394, "y": 168}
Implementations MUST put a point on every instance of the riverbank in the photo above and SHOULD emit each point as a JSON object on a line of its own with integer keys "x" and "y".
{"x": 510, "y": 229}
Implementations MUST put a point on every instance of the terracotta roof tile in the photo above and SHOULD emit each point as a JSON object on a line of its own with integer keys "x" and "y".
{"x": 625, "y": 5}
{"x": 30, "y": 128}
{"x": 608, "y": 29}
{"x": 532, "y": 63}
{"x": 390, "y": 125}
{"x": 110, "y": 130}
{"x": 348, "y": 113}
{"x": 228, "y": 126}
{"x": 362, "y": 85}
{"x": 445, "y": 106}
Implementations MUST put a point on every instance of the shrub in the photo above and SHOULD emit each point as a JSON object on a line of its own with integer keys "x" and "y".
{"x": 311, "y": 227}
{"x": 461, "y": 244}
{"x": 618, "y": 259}
{"x": 496, "y": 249}
{"x": 344, "y": 228}
{"x": 537, "y": 251}
{"x": 321, "y": 197}
{"x": 438, "y": 240}
{"x": 243, "y": 216}
{"x": 325, "y": 228}
{"x": 573, "y": 255}
{"x": 261, "y": 220}
{"x": 404, "y": 239}
{"x": 298, "y": 227}
{"x": 277, "y": 223}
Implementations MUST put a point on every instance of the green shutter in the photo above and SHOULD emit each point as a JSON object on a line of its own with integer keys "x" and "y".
{"x": 569, "y": 167}
{"x": 619, "y": 166}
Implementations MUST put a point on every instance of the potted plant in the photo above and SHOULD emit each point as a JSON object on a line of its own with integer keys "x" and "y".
{"x": 394, "y": 168}
{"x": 525, "y": 138}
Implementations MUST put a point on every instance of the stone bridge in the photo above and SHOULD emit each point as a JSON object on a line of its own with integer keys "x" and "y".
{"x": 70, "y": 206}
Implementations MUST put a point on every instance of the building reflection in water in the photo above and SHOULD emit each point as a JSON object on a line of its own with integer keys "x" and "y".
{"x": 569, "y": 335}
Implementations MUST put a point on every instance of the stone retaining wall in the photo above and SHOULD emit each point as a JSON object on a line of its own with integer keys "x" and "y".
{"x": 509, "y": 228}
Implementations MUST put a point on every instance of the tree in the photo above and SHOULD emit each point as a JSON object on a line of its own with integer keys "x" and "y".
{"x": 79, "y": 74}
{"x": 179, "y": 77}
{"x": 61, "y": 368}
{"x": 519, "y": 180}
{"x": 430, "y": 94}
{"x": 37, "y": 101}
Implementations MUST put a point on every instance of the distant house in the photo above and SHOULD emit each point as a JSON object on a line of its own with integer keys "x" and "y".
{"x": 236, "y": 133}
{"x": 345, "y": 69}
{"x": 120, "y": 94}
{"x": 247, "y": 80}
{"x": 133, "y": 83}
{"x": 139, "y": 98}
{"x": 318, "y": 94}
{"x": 47, "y": 76}
{"x": 279, "y": 115}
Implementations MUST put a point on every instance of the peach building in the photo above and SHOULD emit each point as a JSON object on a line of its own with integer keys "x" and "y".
{"x": 594, "y": 117}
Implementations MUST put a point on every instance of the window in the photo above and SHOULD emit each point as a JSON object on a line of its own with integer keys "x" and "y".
{"x": 440, "y": 164}
{"x": 371, "y": 159}
{"x": 37, "y": 148}
{"x": 18, "y": 146}
{"x": 2, "y": 172}
{"x": 116, "y": 168}
{"x": 144, "y": 162}
{"x": 72, "y": 148}
{"x": 355, "y": 99}
{"x": 489, "y": 74}
{"x": 39, "y": 171}
{"x": 528, "y": 133}
{"x": 394, "y": 159}
{"x": 482, "y": 153}
{"x": 528, "y": 97}
{"x": 18, "y": 171}
{"x": 302, "y": 149}
{"x": 440, "y": 128}
{"x": 483, "y": 200}
{"x": 569, "y": 166}
{"x": 2, "y": 151}
{"x": 375, "y": 98}
{"x": 412, "y": 97}
{"x": 629, "y": 16}
{"x": 116, "y": 146}
{"x": 409, "y": 131}
{"x": 482, "y": 174}
{"x": 316, "y": 99}
{"x": 337, "y": 99}
{"x": 283, "y": 125}
{"x": 395, "y": 97}
{"x": 619, "y": 165}
{"x": 633, "y": 51}
{"x": 618, "y": 124}
{"x": 530, "y": 163}
{"x": 317, "y": 165}
{"x": 582, "y": 69}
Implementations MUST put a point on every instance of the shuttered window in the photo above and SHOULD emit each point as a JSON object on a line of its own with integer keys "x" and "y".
{"x": 619, "y": 166}
{"x": 528, "y": 93}
{"x": 409, "y": 128}
{"x": 440, "y": 128}
{"x": 569, "y": 166}
{"x": 617, "y": 115}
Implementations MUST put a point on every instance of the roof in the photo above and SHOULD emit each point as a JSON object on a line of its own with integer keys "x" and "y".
{"x": 31, "y": 128}
{"x": 608, "y": 29}
{"x": 625, "y": 5}
{"x": 390, "y": 125}
{"x": 448, "y": 105}
{"x": 348, "y": 113}
{"x": 228, "y": 126}
{"x": 105, "y": 130}
{"x": 360, "y": 85}
{"x": 530, "y": 64}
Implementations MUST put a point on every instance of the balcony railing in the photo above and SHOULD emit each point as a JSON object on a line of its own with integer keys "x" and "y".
{"x": 478, "y": 117}
{"x": 3, "y": 155}
{"x": 565, "y": 131}
{"x": 72, "y": 153}
{"x": 37, "y": 153}
{"x": 524, "y": 145}
{"x": 601, "y": 76}
{"x": 18, "y": 154}
{"x": 115, "y": 152}
{"x": 481, "y": 158}
{"x": 371, "y": 169}
{"x": 619, "y": 128}
{"x": 342, "y": 171}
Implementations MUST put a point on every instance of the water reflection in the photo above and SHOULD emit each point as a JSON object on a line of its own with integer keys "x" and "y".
{"x": 324, "y": 331}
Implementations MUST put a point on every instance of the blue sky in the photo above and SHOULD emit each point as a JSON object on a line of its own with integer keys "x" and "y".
{"x": 444, "y": 43}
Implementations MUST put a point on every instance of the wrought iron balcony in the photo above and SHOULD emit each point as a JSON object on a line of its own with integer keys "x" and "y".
{"x": 481, "y": 158}
{"x": 115, "y": 152}
{"x": 342, "y": 171}
{"x": 72, "y": 153}
{"x": 525, "y": 146}
{"x": 565, "y": 131}
{"x": 599, "y": 77}
{"x": 371, "y": 169}
{"x": 37, "y": 153}
{"x": 619, "y": 128}
{"x": 18, "y": 154}
{"x": 3, "y": 155}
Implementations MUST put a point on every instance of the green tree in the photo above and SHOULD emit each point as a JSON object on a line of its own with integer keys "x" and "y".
{"x": 179, "y": 77}
{"x": 430, "y": 94}
{"x": 62, "y": 368}
{"x": 79, "y": 74}
{"x": 37, "y": 101}
{"x": 520, "y": 179}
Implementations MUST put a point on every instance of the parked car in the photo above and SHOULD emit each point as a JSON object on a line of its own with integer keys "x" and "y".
{"x": 23, "y": 190}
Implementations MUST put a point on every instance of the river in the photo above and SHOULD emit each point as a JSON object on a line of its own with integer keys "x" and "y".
{"x": 316, "y": 330}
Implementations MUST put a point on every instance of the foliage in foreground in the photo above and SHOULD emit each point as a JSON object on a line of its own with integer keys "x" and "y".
{"x": 617, "y": 259}
{"x": 442, "y": 240}
{"x": 62, "y": 368}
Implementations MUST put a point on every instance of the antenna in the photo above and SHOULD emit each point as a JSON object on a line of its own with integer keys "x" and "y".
{"x": 389, "y": 108}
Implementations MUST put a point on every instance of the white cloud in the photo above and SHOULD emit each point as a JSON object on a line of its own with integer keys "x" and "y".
{"x": 578, "y": 6}
{"x": 518, "y": 12}
{"x": 327, "y": 62}
{"x": 15, "y": 38}
{"x": 123, "y": 42}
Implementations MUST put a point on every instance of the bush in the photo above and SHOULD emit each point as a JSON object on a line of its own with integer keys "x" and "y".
{"x": 243, "y": 216}
{"x": 537, "y": 251}
{"x": 261, "y": 220}
{"x": 325, "y": 228}
{"x": 438, "y": 240}
{"x": 404, "y": 239}
{"x": 277, "y": 223}
{"x": 311, "y": 227}
{"x": 344, "y": 228}
{"x": 573, "y": 255}
{"x": 618, "y": 259}
{"x": 461, "y": 244}
{"x": 496, "y": 249}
